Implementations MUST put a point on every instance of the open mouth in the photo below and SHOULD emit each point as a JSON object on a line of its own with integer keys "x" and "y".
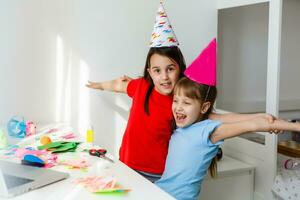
{"x": 166, "y": 85}
{"x": 180, "y": 117}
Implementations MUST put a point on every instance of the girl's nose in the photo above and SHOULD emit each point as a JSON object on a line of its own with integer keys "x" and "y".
{"x": 165, "y": 75}
{"x": 179, "y": 107}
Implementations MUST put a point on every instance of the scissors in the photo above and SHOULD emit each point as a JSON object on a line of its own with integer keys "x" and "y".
{"x": 100, "y": 153}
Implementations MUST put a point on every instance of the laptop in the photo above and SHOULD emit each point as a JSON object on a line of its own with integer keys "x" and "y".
{"x": 16, "y": 179}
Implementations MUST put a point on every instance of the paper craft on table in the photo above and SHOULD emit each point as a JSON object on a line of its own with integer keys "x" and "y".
{"x": 101, "y": 184}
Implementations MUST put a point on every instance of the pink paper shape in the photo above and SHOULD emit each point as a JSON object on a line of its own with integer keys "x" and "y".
{"x": 69, "y": 136}
{"x": 203, "y": 69}
{"x": 75, "y": 163}
{"x": 99, "y": 183}
{"x": 21, "y": 152}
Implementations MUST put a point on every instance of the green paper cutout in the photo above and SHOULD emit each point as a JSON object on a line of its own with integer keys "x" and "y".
{"x": 60, "y": 147}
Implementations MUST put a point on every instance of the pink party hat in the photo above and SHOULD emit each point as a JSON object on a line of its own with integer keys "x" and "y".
{"x": 203, "y": 69}
{"x": 163, "y": 34}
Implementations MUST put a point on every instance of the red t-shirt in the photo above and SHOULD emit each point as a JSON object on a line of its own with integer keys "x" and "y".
{"x": 146, "y": 138}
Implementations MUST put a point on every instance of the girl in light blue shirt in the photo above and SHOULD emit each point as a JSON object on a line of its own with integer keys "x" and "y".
{"x": 194, "y": 144}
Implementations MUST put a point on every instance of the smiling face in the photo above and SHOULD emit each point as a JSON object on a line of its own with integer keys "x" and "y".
{"x": 186, "y": 111}
{"x": 192, "y": 102}
{"x": 164, "y": 73}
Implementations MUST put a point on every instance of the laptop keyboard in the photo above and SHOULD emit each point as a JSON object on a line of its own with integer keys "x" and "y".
{"x": 14, "y": 181}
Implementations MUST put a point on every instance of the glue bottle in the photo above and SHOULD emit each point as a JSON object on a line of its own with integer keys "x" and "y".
{"x": 90, "y": 136}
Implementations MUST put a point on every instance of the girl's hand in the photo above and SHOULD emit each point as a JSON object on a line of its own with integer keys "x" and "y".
{"x": 267, "y": 123}
{"x": 271, "y": 119}
{"x": 268, "y": 116}
{"x": 116, "y": 85}
{"x": 94, "y": 85}
{"x": 262, "y": 124}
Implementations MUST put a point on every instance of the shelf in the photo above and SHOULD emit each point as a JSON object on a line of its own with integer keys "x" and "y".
{"x": 228, "y": 165}
{"x": 289, "y": 148}
{"x": 222, "y": 4}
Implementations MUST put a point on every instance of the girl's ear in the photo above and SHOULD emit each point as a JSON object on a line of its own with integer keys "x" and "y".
{"x": 205, "y": 107}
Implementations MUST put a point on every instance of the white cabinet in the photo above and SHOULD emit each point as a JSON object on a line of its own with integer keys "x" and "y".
{"x": 234, "y": 182}
{"x": 258, "y": 43}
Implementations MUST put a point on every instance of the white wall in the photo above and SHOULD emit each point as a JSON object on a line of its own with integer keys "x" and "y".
{"x": 195, "y": 24}
{"x": 49, "y": 49}
{"x": 26, "y": 61}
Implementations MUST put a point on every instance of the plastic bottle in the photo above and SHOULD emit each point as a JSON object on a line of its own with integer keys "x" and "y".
{"x": 90, "y": 135}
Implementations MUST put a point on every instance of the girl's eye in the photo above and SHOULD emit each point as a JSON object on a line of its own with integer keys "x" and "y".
{"x": 174, "y": 100}
{"x": 156, "y": 70}
{"x": 171, "y": 69}
{"x": 187, "y": 103}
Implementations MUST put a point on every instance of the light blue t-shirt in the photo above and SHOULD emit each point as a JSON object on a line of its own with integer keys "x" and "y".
{"x": 189, "y": 156}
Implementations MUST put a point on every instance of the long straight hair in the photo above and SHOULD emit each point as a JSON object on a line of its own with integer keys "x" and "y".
{"x": 172, "y": 53}
{"x": 202, "y": 93}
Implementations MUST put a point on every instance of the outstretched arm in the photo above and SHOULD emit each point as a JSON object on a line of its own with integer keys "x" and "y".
{"x": 237, "y": 117}
{"x": 117, "y": 85}
{"x": 262, "y": 124}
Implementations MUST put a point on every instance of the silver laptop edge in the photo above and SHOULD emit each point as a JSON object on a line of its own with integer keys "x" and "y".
{"x": 17, "y": 179}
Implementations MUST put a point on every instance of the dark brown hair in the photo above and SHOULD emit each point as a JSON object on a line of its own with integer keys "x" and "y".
{"x": 202, "y": 93}
{"x": 174, "y": 54}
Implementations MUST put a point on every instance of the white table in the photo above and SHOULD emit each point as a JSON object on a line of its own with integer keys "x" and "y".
{"x": 140, "y": 187}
